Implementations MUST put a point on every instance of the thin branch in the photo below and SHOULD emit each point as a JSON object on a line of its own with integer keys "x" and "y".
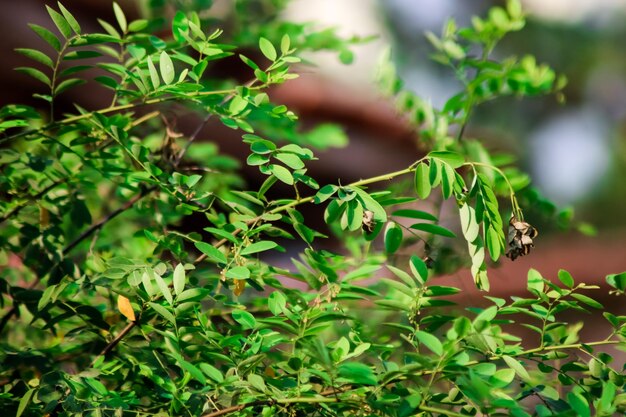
{"x": 16, "y": 210}
{"x": 96, "y": 226}
{"x": 206, "y": 119}
{"x": 115, "y": 341}
{"x": 113, "y": 109}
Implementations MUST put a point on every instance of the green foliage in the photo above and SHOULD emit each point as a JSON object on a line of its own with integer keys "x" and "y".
{"x": 112, "y": 306}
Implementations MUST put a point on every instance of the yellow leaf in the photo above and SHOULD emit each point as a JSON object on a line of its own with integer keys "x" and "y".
{"x": 123, "y": 304}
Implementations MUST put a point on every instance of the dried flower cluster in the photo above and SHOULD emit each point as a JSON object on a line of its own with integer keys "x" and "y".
{"x": 520, "y": 238}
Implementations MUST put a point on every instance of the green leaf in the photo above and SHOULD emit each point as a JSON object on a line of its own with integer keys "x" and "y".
{"x": 24, "y": 401}
{"x": 109, "y": 29}
{"x": 70, "y": 19}
{"x": 414, "y": 214}
{"x": 47, "y": 36}
{"x": 393, "y": 238}
{"x": 357, "y": 373}
{"x": 212, "y": 372}
{"x": 193, "y": 371}
{"x": 486, "y": 315}
{"x": 137, "y": 25}
{"x": 167, "y": 68}
{"x": 36, "y": 56}
{"x": 535, "y": 282}
{"x": 163, "y": 287}
{"x": 579, "y": 404}
{"x": 566, "y": 278}
{"x": 36, "y": 74}
{"x": 257, "y": 382}
{"x": 285, "y": 42}
{"x": 244, "y": 318}
{"x": 419, "y": 269}
{"x": 67, "y": 84}
{"x": 434, "y": 229}
{"x": 469, "y": 226}
{"x": 154, "y": 75}
{"x": 163, "y": 312}
{"x": 267, "y": 49}
{"x": 238, "y": 272}
{"x": 193, "y": 294}
{"x": 325, "y": 193}
{"x": 422, "y": 181}
{"x": 281, "y": 173}
{"x": 617, "y": 281}
{"x": 587, "y": 300}
{"x": 237, "y": 105}
{"x": 60, "y": 22}
{"x": 493, "y": 243}
{"x": 258, "y": 247}
{"x": 276, "y": 302}
{"x": 454, "y": 159}
{"x": 291, "y": 160}
{"x": 211, "y": 252}
{"x": 380, "y": 215}
{"x": 605, "y": 404}
{"x": 179, "y": 279}
{"x": 430, "y": 341}
{"x": 120, "y": 17}
{"x": 502, "y": 377}
{"x": 517, "y": 367}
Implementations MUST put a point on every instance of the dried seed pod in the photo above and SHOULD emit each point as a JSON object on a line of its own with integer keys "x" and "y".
{"x": 520, "y": 238}
{"x": 368, "y": 220}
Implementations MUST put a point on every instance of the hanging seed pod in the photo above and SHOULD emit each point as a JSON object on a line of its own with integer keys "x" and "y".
{"x": 520, "y": 238}
{"x": 368, "y": 220}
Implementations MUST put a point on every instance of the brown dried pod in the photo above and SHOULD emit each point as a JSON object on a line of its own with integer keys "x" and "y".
{"x": 520, "y": 238}
{"x": 368, "y": 220}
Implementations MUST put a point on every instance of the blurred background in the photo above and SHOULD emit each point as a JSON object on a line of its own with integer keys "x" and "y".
{"x": 575, "y": 152}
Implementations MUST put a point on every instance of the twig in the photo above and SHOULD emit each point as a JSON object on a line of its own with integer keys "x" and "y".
{"x": 115, "y": 341}
{"x": 37, "y": 196}
{"x": 206, "y": 119}
{"x": 96, "y": 226}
